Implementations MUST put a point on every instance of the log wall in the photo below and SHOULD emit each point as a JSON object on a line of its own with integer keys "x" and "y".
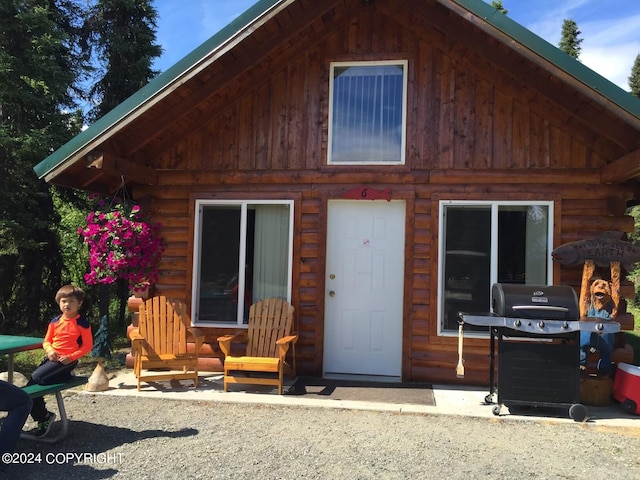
{"x": 474, "y": 131}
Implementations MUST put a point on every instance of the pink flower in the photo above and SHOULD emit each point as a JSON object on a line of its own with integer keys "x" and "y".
{"x": 122, "y": 245}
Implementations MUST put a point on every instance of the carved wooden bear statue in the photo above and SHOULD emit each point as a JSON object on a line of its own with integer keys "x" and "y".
{"x": 601, "y": 306}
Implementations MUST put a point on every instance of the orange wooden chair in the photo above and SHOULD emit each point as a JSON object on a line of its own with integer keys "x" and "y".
{"x": 159, "y": 343}
{"x": 268, "y": 339}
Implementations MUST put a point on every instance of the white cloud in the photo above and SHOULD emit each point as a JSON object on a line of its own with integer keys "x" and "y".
{"x": 611, "y": 37}
{"x": 613, "y": 64}
{"x": 610, "y": 48}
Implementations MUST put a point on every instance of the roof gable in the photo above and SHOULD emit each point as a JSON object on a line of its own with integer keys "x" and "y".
{"x": 602, "y": 87}
{"x": 477, "y": 12}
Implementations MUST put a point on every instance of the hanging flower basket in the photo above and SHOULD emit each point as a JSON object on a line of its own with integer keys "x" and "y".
{"x": 122, "y": 245}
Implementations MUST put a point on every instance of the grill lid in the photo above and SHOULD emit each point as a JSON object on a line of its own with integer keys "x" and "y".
{"x": 550, "y": 302}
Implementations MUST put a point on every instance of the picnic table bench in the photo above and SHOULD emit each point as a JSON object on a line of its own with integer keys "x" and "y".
{"x": 36, "y": 391}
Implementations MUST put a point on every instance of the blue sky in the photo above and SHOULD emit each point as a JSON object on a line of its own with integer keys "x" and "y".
{"x": 610, "y": 28}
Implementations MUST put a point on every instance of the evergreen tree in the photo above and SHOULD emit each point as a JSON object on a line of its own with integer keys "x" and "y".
{"x": 125, "y": 42}
{"x": 634, "y": 276}
{"x": 72, "y": 207}
{"x": 101, "y": 340}
{"x": 497, "y": 4}
{"x": 570, "y": 40}
{"x": 634, "y": 79}
{"x": 40, "y": 61}
{"x": 123, "y": 36}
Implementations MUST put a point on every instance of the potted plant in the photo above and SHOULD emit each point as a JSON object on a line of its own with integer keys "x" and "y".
{"x": 122, "y": 245}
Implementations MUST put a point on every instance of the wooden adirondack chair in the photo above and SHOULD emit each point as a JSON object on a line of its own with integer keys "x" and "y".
{"x": 268, "y": 339}
{"x": 160, "y": 342}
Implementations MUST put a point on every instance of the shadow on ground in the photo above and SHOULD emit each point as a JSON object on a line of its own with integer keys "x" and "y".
{"x": 85, "y": 446}
{"x": 380, "y": 392}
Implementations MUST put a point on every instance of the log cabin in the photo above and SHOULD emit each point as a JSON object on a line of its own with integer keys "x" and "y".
{"x": 378, "y": 163}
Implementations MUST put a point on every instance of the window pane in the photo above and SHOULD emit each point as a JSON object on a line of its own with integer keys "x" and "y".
{"x": 270, "y": 259}
{"x": 224, "y": 291}
{"x": 520, "y": 254}
{"x": 467, "y": 257}
{"x": 219, "y": 260}
{"x": 523, "y": 244}
{"x": 367, "y": 120}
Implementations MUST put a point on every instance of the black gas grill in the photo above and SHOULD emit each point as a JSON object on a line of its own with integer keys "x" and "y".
{"x": 538, "y": 332}
{"x": 553, "y": 302}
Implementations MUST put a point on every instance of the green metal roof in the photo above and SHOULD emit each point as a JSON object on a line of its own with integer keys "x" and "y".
{"x": 153, "y": 88}
{"x": 479, "y": 8}
{"x": 554, "y": 55}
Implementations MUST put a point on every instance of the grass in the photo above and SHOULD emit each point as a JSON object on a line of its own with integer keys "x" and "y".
{"x": 633, "y": 339}
{"x": 633, "y": 336}
{"x": 26, "y": 362}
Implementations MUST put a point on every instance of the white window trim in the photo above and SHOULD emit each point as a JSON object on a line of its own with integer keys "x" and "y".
{"x": 403, "y": 141}
{"x": 494, "y": 249}
{"x": 197, "y": 247}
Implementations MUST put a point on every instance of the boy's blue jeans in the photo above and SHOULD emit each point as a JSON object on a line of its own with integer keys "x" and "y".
{"x": 47, "y": 373}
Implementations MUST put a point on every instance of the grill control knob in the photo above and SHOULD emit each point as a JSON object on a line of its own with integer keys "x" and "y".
{"x": 565, "y": 325}
{"x": 517, "y": 323}
{"x": 540, "y": 324}
{"x": 600, "y": 327}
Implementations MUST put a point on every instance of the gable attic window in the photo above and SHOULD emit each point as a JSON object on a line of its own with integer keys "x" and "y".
{"x": 242, "y": 253}
{"x": 487, "y": 242}
{"x": 367, "y": 113}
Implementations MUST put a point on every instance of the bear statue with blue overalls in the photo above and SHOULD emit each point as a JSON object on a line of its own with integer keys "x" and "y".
{"x": 601, "y": 306}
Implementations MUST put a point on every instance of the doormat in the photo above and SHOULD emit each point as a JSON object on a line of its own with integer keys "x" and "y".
{"x": 363, "y": 391}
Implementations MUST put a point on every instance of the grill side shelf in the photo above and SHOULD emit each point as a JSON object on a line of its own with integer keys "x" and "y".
{"x": 541, "y": 326}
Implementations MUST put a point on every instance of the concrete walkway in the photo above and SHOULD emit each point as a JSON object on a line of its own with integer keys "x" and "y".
{"x": 449, "y": 400}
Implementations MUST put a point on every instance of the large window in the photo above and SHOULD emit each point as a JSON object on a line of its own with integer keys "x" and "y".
{"x": 367, "y": 113}
{"x": 242, "y": 254}
{"x": 487, "y": 242}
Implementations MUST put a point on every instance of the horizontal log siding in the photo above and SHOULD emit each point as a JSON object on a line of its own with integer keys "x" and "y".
{"x": 425, "y": 352}
{"x": 473, "y": 131}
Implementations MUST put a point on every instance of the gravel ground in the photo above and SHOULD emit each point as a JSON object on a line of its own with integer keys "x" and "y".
{"x": 142, "y": 438}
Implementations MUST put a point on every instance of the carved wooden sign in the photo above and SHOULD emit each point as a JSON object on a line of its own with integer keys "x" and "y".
{"x": 367, "y": 193}
{"x": 606, "y": 248}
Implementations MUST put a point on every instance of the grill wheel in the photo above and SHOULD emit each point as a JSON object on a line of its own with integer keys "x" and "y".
{"x": 578, "y": 412}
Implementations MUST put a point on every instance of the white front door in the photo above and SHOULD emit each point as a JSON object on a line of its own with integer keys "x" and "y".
{"x": 364, "y": 288}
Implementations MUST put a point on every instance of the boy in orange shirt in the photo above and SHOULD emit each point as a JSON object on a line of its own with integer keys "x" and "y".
{"x": 67, "y": 339}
